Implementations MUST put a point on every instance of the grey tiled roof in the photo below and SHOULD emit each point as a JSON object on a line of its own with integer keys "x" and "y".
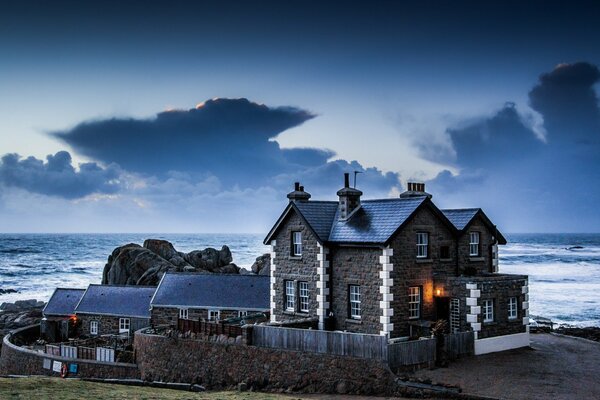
{"x": 460, "y": 218}
{"x": 320, "y": 215}
{"x": 376, "y": 220}
{"x": 223, "y": 291}
{"x": 63, "y": 301}
{"x": 127, "y": 301}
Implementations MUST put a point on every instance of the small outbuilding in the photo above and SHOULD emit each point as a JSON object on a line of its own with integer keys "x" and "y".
{"x": 208, "y": 297}
{"x": 113, "y": 309}
{"x": 59, "y": 321}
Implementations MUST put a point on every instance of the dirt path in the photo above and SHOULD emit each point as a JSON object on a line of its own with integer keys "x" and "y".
{"x": 556, "y": 367}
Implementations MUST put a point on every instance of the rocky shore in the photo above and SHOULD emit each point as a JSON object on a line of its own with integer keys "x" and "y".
{"x": 590, "y": 332}
{"x": 19, "y": 314}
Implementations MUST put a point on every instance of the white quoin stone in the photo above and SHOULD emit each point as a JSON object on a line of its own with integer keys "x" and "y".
{"x": 388, "y": 312}
{"x": 525, "y": 289}
{"x": 384, "y": 274}
{"x": 384, "y": 259}
{"x": 387, "y": 267}
{"x": 388, "y": 251}
{"x": 388, "y": 282}
{"x": 475, "y": 293}
{"x": 476, "y": 326}
{"x": 471, "y": 301}
{"x": 475, "y": 309}
{"x": 384, "y": 289}
{"x": 471, "y": 286}
{"x": 525, "y": 320}
{"x": 525, "y": 305}
{"x": 384, "y": 320}
{"x": 388, "y": 297}
{"x": 471, "y": 318}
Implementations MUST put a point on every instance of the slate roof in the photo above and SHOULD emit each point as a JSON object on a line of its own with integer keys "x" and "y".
{"x": 320, "y": 215}
{"x": 124, "y": 301}
{"x": 375, "y": 221}
{"x": 222, "y": 291}
{"x": 63, "y": 302}
{"x": 460, "y": 218}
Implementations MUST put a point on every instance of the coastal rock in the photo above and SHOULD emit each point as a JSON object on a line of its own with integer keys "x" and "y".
{"x": 19, "y": 314}
{"x": 262, "y": 265}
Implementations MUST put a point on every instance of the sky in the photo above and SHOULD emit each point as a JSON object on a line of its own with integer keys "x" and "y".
{"x": 199, "y": 116}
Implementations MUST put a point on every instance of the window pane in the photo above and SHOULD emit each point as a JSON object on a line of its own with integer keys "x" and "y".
{"x": 290, "y": 296}
{"x": 354, "y": 295}
{"x": 422, "y": 242}
{"x": 296, "y": 243}
{"x": 474, "y": 244}
{"x": 304, "y": 297}
{"x": 414, "y": 302}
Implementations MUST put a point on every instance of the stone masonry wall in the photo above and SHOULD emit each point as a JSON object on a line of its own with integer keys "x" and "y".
{"x": 20, "y": 361}
{"x": 297, "y": 269}
{"x": 500, "y": 290}
{"x": 218, "y": 366}
{"x": 411, "y": 271}
{"x": 355, "y": 266}
{"x": 483, "y": 263}
{"x": 169, "y": 315}
{"x": 108, "y": 324}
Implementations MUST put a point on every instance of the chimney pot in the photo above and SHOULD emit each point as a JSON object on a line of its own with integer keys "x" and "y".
{"x": 302, "y": 188}
{"x": 296, "y": 186}
{"x": 346, "y": 179}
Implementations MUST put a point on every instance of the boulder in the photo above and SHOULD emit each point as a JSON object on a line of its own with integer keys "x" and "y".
{"x": 262, "y": 265}
{"x": 162, "y": 248}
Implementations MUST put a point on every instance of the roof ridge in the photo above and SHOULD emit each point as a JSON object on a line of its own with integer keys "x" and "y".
{"x": 212, "y": 274}
{"x": 461, "y": 209}
{"x": 123, "y": 286}
{"x": 394, "y": 199}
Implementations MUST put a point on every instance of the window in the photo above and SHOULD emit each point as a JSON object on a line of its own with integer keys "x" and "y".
{"x": 474, "y": 244}
{"x": 290, "y": 296}
{"x": 296, "y": 244}
{"x": 93, "y": 327}
{"x": 354, "y": 301}
{"x": 422, "y": 243}
{"x": 303, "y": 292}
{"x": 124, "y": 325}
{"x": 512, "y": 308}
{"x": 445, "y": 252}
{"x": 488, "y": 310}
{"x": 214, "y": 315}
{"x": 414, "y": 302}
{"x": 183, "y": 313}
{"x": 242, "y": 313}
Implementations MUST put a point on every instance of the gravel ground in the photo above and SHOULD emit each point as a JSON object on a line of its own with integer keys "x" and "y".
{"x": 555, "y": 367}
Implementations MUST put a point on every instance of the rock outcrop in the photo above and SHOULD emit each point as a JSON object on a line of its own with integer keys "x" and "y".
{"x": 133, "y": 264}
{"x": 19, "y": 314}
{"x": 262, "y": 265}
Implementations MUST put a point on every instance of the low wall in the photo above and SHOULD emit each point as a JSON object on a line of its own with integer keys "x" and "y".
{"x": 17, "y": 360}
{"x": 219, "y": 365}
{"x": 501, "y": 343}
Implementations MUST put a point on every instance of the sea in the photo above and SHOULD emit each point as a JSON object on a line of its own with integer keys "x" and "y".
{"x": 563, "y": 269}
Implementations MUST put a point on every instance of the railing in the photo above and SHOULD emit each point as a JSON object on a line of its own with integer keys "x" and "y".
{"x": 459, "y": 344}
{"x": 98, "y": 353}
{"x": 401, "y": 354}
{"x": 337, "y": 343}
{"x": 209, "y": 328}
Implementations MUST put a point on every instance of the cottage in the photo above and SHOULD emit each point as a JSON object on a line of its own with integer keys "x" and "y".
{"x": 108, "y": 309}
{"x": 392, "y": 266}
{"x": 59, "y": 321}
{"x": 208, "y": 297}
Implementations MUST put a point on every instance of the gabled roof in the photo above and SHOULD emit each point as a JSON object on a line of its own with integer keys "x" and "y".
{"x": 221, "y": 291}
{"x": 375, "y": 221}
{"x": 320, "y": 215}
{"x": 461, "y": 219}
{"x": 63, "y": 302}
{"x": 123, "y": 301}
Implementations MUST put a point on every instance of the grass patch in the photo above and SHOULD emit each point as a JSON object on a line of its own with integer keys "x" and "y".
{"x": 67, "y": 389}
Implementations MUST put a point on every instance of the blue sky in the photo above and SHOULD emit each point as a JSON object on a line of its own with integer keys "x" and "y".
{"x": 492, "y": 105}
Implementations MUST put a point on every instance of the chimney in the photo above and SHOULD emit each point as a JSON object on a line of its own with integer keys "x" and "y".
{"x": 415, "y": 189}
{"x": 298, "y": 194}
{"x": 349, "y": 198}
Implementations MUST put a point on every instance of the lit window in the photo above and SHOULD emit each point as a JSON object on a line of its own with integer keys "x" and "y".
{"x": 488, "y": 310}
{"x": 124, "y": 325}
{"x": 414, "y": 302}
{"x": 422, "y": 243}
{"x": 474, "y": 244}
{"x": 242, "y": 313}
{"x": 296, "y": 244}
{"x": 214, "y": 315}
{"x": 93, "y": 327}
{"x": 512, "y": 308}
{"x": 303, "y": 294}
{"x": 354, "y": 301}
{"x": 183, "y": 313}
{"x": 290, "y": 296}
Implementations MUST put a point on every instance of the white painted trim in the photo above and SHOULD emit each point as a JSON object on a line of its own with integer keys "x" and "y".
{"x": 501, "y": 343}
{"x": 273, "y": 281}
{"x": 387, "y": 267}
{"x": 475, "y": 310}
{"x": 323, "y": 291}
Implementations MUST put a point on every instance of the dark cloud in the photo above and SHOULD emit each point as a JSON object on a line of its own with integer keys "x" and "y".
{"x": 57, "y": 176}
{"x": 226, "y": 137}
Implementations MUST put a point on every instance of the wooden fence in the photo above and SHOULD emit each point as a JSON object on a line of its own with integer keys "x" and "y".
{"x": 337, "y": 343}
{"x": 402, "y": 354}
{"x": 209, "y": 328}
{"x": 459, "y": 344}
{"x": 98, "y": 353}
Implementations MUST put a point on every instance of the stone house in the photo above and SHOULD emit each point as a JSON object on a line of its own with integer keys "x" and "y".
{"x": 113, "y": 309}
{"x": 59, "y": 321}
{"x": 392, "y": 267}
{"x": 208, "y": 297}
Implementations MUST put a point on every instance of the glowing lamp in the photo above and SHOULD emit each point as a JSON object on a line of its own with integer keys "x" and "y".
{"x": 438, "y": 292}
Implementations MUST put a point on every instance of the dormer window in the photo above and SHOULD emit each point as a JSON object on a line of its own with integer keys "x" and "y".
{"x": 297, "y": 244}
{"x": 474, "y": 244}
{"x": 422, "y": 243}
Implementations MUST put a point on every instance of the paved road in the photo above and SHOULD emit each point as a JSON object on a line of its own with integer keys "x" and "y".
{"x": 555, "y": 367}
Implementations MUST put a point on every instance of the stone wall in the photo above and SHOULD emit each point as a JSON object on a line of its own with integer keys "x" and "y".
{"x": 483, "y": 263}
{"x": 218, "y": 366}
{"x": 297, "y": 269}
{"x": 20, "y": 361}
{"x": 108, "y": 324}
{"x": 169, "y": 315}
{"x": 355, "y": 266}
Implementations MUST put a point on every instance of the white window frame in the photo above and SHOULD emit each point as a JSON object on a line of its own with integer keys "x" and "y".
{"x": 354, "y": 300}
{"x": 94, "y": 325}
{"x": 242, "y": 313}
{"x": 487, "y": 310}
{"x": 414, "y": 302}
{"x": 422, "y": 244}
{"x": 290, "y": 296}
{"x": 474, "y": 244}
{"x": 184, "y": 313}
{"x": 214, "y": 315}
{"x": 297, "y": 244}
{"x": 303, "y": 296}
{"x": 124, "y": 325}
{"x": 513, "y": 308}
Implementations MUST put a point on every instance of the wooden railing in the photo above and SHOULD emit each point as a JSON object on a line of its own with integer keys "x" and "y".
{"x": 208, "y": 328}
